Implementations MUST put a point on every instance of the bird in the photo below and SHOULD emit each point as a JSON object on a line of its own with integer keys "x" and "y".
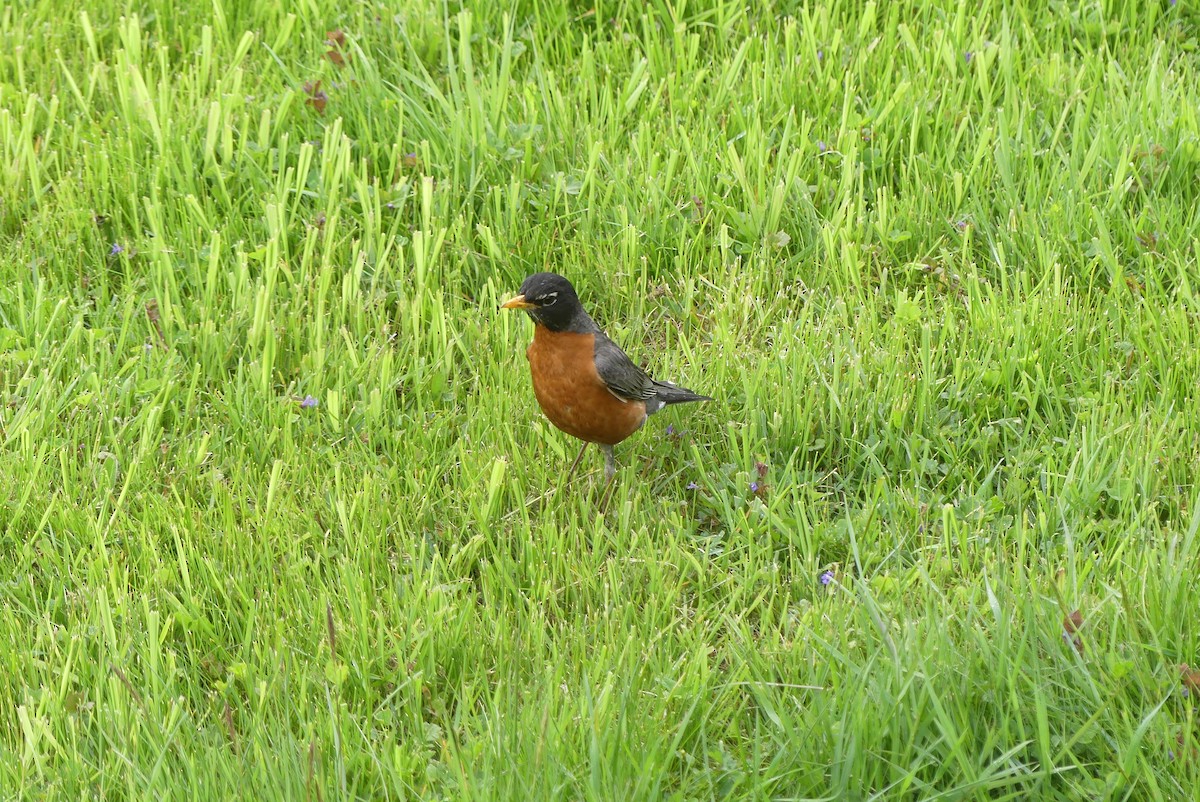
{"x": 585, "y": 384}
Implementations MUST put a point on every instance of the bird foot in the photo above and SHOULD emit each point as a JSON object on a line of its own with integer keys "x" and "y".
{"x": 609, "y": 486}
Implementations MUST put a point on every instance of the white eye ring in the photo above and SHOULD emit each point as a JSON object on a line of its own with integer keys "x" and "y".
{"x": 553, "y": 296}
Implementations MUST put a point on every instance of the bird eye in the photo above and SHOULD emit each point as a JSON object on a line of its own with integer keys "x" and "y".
{"x": 549, "y": 299}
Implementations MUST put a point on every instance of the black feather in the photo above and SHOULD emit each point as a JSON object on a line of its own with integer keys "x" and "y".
{"x": 628, "y": 382}
{"x": 674, "y": 394}
{"x": 625, "y": 380}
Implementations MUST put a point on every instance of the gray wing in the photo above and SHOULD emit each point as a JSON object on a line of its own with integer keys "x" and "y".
{"x": 625, "y": 380}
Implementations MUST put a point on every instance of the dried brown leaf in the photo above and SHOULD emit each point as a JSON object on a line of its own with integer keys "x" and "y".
{"x": 316, "y": 98}
{"x": 1071, "y": 625}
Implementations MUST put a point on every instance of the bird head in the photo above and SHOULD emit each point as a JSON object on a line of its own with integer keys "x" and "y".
{"x": 551, "y": 301}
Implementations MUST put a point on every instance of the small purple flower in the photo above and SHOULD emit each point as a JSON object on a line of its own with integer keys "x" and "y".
{"x": 670, "y": 429}
{"x": 820, "y": 55}
{"x": 821, "y": 146}
{"x": 693, "y": 486}
{"x": 308, "y": 403}
{"x": 968, "y": 56}
{"x": 116, "y": 248}
{"x": 826, "y": 577}
{"x": 754, "y": 487}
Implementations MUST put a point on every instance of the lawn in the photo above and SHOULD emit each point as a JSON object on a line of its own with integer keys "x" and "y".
{"x": 280, "y": 518}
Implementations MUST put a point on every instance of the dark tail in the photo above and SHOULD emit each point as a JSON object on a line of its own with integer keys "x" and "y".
{"x": 668, "y": 393}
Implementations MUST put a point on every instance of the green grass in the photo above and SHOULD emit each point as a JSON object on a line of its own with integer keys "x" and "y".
{"x": 937, "y": 262}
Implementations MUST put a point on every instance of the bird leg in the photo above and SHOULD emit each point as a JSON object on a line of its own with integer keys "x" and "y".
{"x": 610, "y": 475}
{"x": 575, "y": 464}
{"x": 610, "y": 462}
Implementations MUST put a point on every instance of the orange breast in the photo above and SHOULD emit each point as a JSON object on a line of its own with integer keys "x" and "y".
{"x": 571, "y": 392}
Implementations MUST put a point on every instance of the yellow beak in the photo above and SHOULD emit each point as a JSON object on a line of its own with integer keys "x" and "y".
{"x": 517, "y": 303}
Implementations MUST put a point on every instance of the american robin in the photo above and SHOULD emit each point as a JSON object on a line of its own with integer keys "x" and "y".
{"x": 584, "y": 382}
